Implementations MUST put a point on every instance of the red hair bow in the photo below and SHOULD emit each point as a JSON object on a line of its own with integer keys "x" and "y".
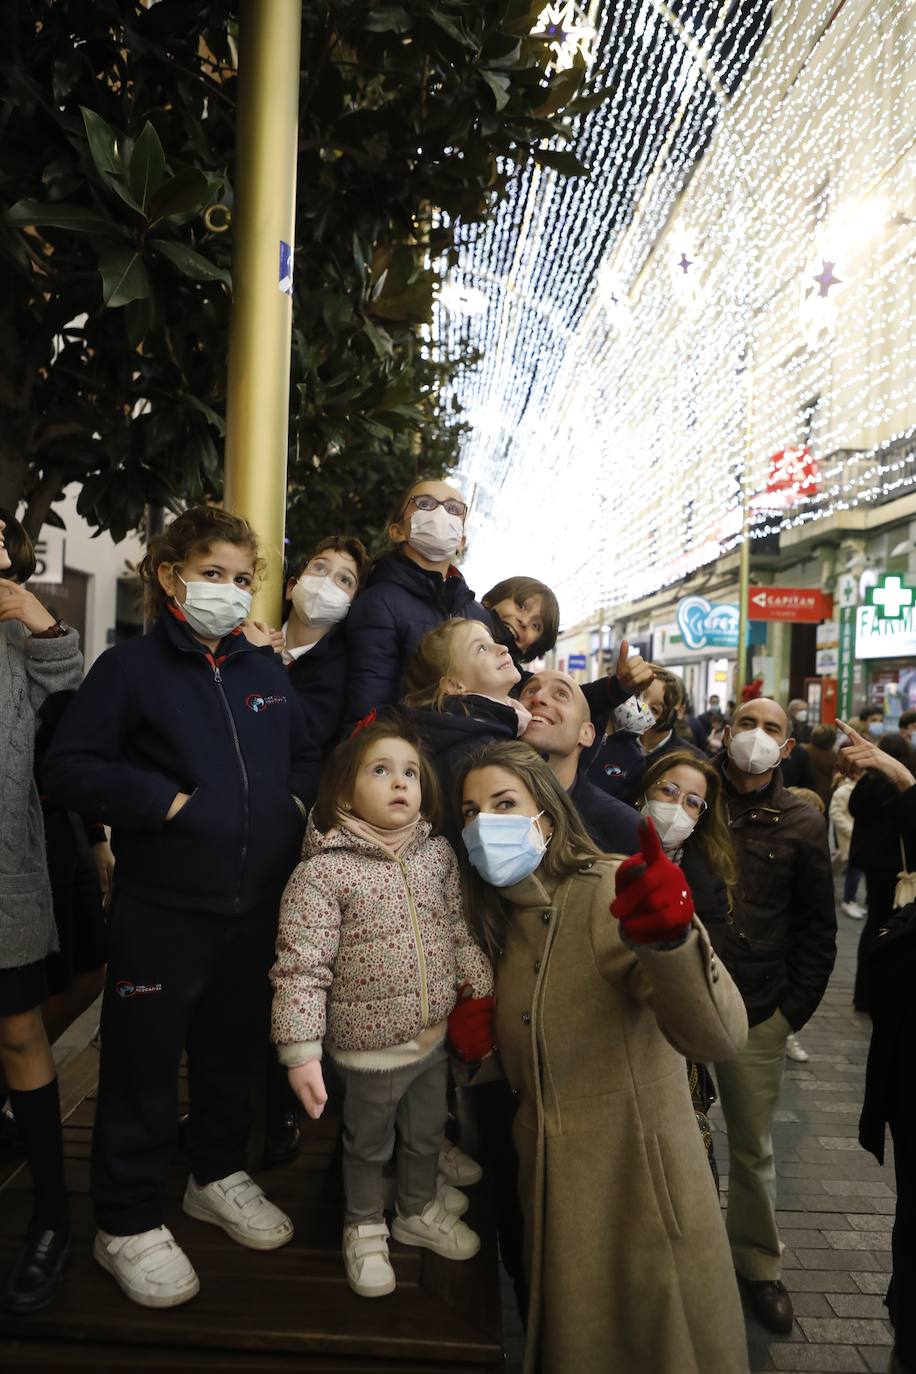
{"x": 366, "y": 720}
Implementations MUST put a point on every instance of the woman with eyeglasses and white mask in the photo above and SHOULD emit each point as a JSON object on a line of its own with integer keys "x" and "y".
{"x": 408, "y": 591}
{"x": 314, "y": 646}
{"x": 683, "y": 795}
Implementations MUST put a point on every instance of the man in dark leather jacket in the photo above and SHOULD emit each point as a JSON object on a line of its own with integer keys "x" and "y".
{"x": 779, "y": 945}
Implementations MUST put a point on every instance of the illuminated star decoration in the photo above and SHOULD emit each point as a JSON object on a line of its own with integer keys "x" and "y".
{"x": 825, "y": 278}
{"x": 571, "y": 35}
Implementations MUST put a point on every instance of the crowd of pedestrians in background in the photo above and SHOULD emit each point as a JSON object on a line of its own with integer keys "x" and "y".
{"x": 391, "y": 808}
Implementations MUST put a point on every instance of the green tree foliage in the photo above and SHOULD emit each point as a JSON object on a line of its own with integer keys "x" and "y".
{"x": 117, "y": 137}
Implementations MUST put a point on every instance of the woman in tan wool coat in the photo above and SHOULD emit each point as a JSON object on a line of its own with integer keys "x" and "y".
{"x": 626, "y": 1257}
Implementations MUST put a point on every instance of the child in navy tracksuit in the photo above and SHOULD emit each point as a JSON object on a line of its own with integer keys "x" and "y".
{"x": 191, "y": 745}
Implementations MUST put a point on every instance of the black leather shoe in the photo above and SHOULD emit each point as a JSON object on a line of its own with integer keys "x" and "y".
{"x": 770, "y": 1303}
{"x": 281, "y": 1143}
{"x": 38, "y": 1270}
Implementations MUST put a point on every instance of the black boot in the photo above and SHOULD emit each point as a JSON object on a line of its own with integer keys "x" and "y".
{"x": 39, "y": 1268}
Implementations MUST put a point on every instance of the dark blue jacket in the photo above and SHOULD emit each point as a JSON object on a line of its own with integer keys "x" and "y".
{"x": 320, "y": 679}
{"x": 399, "y": 604}
{"x": 159, "y": 715}
{"x": 616, "y": 763}
{"x": 611, "y": 823}
{"x": 464, "y": 723}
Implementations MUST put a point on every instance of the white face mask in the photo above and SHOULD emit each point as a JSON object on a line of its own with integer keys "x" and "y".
{"x": 634, "y": 715}
{"x": 801, "y": 716}
{"x": 754, "y": 751}
{"x": 319, "y": 601}
{"x": 673, "y": 824}
{"x": 214, "y": 609}
{"x": 435, "y": 534}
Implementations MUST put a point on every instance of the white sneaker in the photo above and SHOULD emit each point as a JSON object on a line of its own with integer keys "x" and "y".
{"x": 150, "y": 1268}
{"x": 438, "y": 1230}
{"x": 365, "y": 1252}
{"x": 796, "y": 1051}
{"x": 853, "y": 911}
{"x": 238, "y": 1205}
{"x": 459, "y": 1169}
{"x": 451, "y": 1198}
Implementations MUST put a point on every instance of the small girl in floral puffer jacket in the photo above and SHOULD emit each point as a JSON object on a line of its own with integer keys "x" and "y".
{"x": 372, "y": 950}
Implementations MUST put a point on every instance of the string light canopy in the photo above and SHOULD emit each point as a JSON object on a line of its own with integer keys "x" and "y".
{"x": 734, "y": 282}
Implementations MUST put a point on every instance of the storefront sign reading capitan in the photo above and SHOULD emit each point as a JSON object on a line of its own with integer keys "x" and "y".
{"x": 706, "y": 626}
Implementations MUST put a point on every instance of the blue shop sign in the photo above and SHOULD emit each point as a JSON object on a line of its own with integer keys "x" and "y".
{"x": 704, "y": 625}
{"x": 577, "y": 662}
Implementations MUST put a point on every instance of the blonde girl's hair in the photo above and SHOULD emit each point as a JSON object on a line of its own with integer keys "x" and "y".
{"x": 195, "y": 531}
{"x": 341, "y": 770}
{"x": 711, "y": 835}
{"x": 570, "y": 845}
{"x": 432, "y": 660}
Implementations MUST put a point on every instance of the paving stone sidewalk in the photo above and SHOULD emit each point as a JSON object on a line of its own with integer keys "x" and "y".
{"x": 836, "y": 1204}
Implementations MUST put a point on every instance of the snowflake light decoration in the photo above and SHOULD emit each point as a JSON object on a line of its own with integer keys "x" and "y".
{"x": 571, "y": 35}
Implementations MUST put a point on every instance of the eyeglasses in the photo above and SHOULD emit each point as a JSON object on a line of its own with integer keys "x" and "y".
{"x": 430, "y": 503}
{"x": 693, "y": 805}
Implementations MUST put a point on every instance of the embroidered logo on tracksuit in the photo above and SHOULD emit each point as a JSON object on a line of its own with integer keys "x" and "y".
{"x": 125, "y": 988}
{"x": 255, "y": 702}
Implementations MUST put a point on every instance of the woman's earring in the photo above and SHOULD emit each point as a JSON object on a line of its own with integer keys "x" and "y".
{"x": 345, "y": 807}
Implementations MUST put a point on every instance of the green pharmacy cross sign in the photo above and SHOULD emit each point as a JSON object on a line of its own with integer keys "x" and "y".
{"x": 890, "y": 597}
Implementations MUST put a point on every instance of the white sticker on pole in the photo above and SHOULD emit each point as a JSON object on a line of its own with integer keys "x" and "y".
{"x": 286, "y": 268}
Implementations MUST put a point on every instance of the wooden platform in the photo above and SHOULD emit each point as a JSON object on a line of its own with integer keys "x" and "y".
{"x": 289, "y": 1309}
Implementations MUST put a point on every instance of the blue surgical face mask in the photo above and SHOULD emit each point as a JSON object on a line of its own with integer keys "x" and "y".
{"x": 503, "y": 848}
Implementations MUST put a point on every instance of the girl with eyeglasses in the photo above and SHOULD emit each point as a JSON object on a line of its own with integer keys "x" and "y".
{"x": 683, "y": 795}
{"x": 408, "y": 591}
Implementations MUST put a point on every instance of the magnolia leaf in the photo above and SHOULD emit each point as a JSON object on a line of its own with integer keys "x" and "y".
{"x": 562, "y": 89}
{"x": 500, "y": 86}
{"x": 207, "y": 411}
{"x": 103, "y": 142}
{"x": 387, "y": 19}
{"x": 76, "y": 218}
{"x": 124, "y": 276}
{"x": 586, "y": 103}
{"x": 138, "y": 319}
{"x": 566, "y": 163}
{"x": 147, "y": 166}
{"x": 189, "y": 263}
{"x": 187, "y": 190}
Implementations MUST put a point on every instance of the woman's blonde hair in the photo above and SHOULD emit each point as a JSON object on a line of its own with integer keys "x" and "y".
{"x": 432, "y": 661}
{"x": 711, "y": 835}
{"x": 569, "y": 845}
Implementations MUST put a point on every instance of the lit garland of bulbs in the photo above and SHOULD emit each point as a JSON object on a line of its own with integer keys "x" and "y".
{"x": 610, "y": 411}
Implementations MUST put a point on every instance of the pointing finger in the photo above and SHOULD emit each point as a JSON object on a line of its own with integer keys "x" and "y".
{"x": 649, "y": 842}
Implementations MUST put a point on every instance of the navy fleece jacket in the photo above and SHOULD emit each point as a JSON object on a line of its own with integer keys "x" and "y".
{"x": 399, "y": 603}
{"x": 159, "y": 715}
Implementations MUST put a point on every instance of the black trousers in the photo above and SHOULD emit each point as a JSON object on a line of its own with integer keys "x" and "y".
{"x": 879, "y": 897}
{"x": 177, "y": 980}
{"x": 901, "y": 1296}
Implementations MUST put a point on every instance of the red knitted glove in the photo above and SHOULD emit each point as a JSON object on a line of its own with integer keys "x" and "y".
{"x": 470, "y": 1027}
{"x": 653, "y": 903}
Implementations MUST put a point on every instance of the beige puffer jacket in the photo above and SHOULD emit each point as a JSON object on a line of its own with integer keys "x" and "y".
{"x": 371, "y": 949}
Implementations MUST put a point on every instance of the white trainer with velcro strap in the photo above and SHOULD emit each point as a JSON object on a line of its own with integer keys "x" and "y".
{"x": 437, "y": 1229}
{"x": 150, "y": 1268}
{"x": 365, "y": 1252}
{"x": 238, "y": 1205}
